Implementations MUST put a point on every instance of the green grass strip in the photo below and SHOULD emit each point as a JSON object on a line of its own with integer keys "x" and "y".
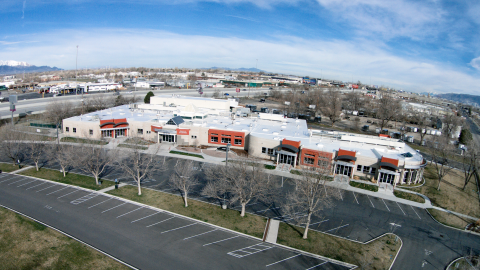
{"x": 186, "y": 154}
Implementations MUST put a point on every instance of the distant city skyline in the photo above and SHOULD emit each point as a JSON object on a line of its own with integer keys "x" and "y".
{"x": 420, "y": 46}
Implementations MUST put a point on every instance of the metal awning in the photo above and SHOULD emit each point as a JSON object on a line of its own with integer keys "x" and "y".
{"x": 287, "y": 146}
{"x": 345, "y": 157}
{"x": 388, "y": 172}
{"x": 287, "y": 153}
{"x": 344, "y": 163}
{"x": 166, "y": 131}
{"x": 390, "y": 165}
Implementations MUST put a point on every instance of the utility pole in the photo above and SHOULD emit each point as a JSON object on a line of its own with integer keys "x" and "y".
{"x": 76, "y": 73}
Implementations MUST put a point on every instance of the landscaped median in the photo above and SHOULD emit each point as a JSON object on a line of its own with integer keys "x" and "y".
{"x": 71, "y": 178}
{"x": 83, "y": 141}
{"x": 450, "y": 219}
{"x": 365, "y": 186}
{"x": 408, "y": 196}
{"x": 186, "y": 154}
{"x": 8, "y": 167}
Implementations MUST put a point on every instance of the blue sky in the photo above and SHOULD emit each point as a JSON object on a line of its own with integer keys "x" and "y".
{"x": 423, "y": 46}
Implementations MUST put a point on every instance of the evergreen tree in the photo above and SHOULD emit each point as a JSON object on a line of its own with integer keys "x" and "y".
{"x": 147, "y": 97}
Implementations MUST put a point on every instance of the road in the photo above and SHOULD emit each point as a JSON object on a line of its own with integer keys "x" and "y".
{"x": 359, "y": 217}
{"x": 36, "y": 104}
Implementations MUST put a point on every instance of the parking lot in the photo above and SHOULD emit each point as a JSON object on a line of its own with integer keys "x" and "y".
{"x": 146, "y": 237}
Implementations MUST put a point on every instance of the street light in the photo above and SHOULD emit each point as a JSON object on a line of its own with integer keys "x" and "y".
{"x": 228, "y": 149}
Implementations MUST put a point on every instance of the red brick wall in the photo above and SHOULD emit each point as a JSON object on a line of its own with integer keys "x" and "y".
{"x": 226, "y": 134}
{"x": 316, "y": 155}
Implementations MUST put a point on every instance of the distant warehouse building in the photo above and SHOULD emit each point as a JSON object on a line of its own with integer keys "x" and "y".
{"x": 286, "y": 142}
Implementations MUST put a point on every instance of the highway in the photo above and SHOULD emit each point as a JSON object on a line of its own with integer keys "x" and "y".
{"x": 34, "y": 103}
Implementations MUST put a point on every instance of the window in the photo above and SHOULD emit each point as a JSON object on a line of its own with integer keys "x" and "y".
{"x": 238, "y": 142}
{"x": 239, "y": 137}
{"x": 194, "y": 136}
{"x": 322, "y": 163}
{"x": 226, "y": 140}
{"x": 140, "y": 131}
{"x": 223, "y": 135}
{"x": 271, "y": 151}
{"x": 213, "y": 139}
{"x": 148, "y": 132}
{"x": 309, "y": 161}
{"x": 67, "y": 129}
{"x": 309, "y": 155}
{"x": 366, "y": 169}
{"x": 374, "y": 170}
{"x": 106, "y": 133}
{"x": 264, "y": 150}
{"x": 213, "y": 134}
{"x": 359, "y": 168}
{"x": 74, "y": 130}
{"x": 90, "y": 131}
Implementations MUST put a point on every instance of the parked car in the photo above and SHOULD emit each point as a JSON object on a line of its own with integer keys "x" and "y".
{"x": 222, "y": 148}
{"x": 262, "y": 100}
{"x": 226, "y": 94}
{"x": 244, "y": 89}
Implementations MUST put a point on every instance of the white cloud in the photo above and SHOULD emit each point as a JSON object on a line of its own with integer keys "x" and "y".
{"x": 414, "y": 19}
{"x": 342, "y": 60}
{"x": 475, "y": 63}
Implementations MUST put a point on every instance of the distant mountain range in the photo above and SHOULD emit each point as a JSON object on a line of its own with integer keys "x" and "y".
{"x": 238, "y": 69}
{"x": 462, "y": 98}
{"x": 11, "y": 67}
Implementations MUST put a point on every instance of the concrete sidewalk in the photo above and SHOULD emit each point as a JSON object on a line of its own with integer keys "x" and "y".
{"x": 22, "y": 169}
{"x": 111, "y": 188}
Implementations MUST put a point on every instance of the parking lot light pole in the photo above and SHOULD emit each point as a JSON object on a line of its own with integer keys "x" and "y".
{"x": 226, "y": 157}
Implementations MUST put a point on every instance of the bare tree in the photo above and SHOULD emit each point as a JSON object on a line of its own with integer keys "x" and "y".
{"x": 35, "y": 149}
{"x": 93, "y": 159}
{"x": 330, "y": 104}
{"x": 56, "y": 111}
{"x": 63, "y": 154}
{"x": 470, "y": 162}
{"x": 387, "y": 109}
{"x": 423, "y": 121}
{"x": 310, "y": 196}
{"x": 216, "y": 93}
{"x": 450, "y": 123}
{"x": 12, "y": 145}
{"x": 183, "y": 177}
{"x": 139, "y": 165}
{"x": 440, "y": 151}
{"x": 243, "y": 180}
{"x": 353, "y": 101}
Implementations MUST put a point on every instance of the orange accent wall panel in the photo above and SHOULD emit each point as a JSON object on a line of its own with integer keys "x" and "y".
{"x": 316, "y": 155}
{"x": 155, "y": 127}
{"x": 342, "y": 152}
{"x": 183, "y": 131}
{"x": 384, "y": 135}
{"x": 292, "y": 143}
{"x": 113, "y": 123}
{"x": 215, "y": 136}
{"x": 390, "y": 160}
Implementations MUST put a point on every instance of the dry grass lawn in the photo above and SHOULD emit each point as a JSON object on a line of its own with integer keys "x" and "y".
{"x": 25, "y": 244}
{"x": 378, "y": 254}
{"x": 8, "y": 167}
{"x": 450, "y": 219}
{"x": 451, "y": 196}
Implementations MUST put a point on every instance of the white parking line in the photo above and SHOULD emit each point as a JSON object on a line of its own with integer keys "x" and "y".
{"x": 355, "y": 197}
{"x": 179, "y": 228}
{"x": 415, "y": 212}
{"x": 4, "y": 175}
{"x": 57, "y": 190}
{"x": 337, "y": 228}
{"x": 17, "y": 181}
{"x": 99, "y": 203}
{"x": 159, "y": 222}
{"x": 386, "y": 205}
{"x": 315, "y": 266}
{"x": 46, "y": 188}
{"x": 221, "y": 240}
{"x": 283, "y": 260}
{"x": 295, "y": 217}
{"x": 145, "y": 217}
{"x": 319, "y": 222}
{"x": 9, "y": 179}
{"x": 401, "y": 209}
{"x": 339, "y": 193}
{"x": 130, "y": 212}
{"x": 370, "y": 201}
{"x": 265, "y": 210}
{"x": 199, "y": 234}
{"x": 67, "y": 194}
{"x": 113, "y": 207}
{"x": 36, "y": 185}
{"x": 27, "y": 183}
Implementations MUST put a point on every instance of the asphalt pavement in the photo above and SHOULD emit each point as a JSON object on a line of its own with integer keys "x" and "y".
{"x": 356, "y": 216}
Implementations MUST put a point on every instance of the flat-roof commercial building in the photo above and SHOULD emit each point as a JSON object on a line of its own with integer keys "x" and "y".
{"x": 285, "y": 141}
